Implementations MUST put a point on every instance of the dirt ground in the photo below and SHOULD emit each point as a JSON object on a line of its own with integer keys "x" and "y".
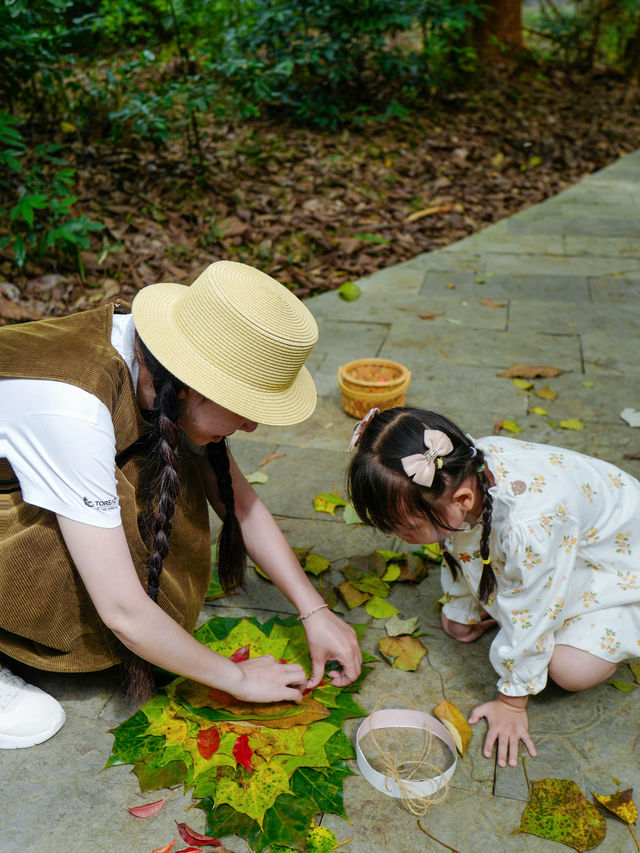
{"x": 318, "y": 208}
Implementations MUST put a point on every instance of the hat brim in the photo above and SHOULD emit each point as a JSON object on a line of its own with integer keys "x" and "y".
{"x": 153, "y": 316}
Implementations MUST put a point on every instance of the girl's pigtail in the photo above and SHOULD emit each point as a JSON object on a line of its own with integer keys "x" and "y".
{"x": 488, "y": 579}
{"x": 232, "y": 555}
{"x": 162, "y": 496}
{"x": 450, "y": 560}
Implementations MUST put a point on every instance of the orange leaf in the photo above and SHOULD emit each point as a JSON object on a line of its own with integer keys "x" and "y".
{"x": 167, "y": 847}
{"x": 491, "y": 303}
{"x": 430, "y": 315}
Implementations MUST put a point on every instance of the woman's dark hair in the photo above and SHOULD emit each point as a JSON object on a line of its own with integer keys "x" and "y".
{"x": 383, "y": 495}
{"x": 162, "y": 489}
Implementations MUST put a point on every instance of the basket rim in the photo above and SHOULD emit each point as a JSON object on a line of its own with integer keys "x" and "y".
{"x": 344, "y": 373}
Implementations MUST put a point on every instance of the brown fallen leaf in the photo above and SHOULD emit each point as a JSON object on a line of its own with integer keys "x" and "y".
{"x": 430, "y": 315}
{"x": 491, "y": 303}
{"x": 632, "y": 455}
{"x": 15, "y": 311}
{"x": 497, "y": 427}
{"x": 530, "y": 371}
{"x": 455, "y": 721}
{"x": 270, "y": 458}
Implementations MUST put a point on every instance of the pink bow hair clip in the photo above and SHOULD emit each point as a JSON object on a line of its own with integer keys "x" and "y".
{"x": 421, "y": 467}
{"x": 360, "y": 428}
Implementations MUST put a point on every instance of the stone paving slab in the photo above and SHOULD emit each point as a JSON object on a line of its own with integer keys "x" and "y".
{"x": 568, "y": 273}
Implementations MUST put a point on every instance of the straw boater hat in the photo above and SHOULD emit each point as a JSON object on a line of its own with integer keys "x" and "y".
{"x": 238, "y": 337}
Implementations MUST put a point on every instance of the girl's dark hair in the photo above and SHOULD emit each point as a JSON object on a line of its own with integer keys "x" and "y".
{"x": 383, "y": 495}
{"x": 162, "y": 490}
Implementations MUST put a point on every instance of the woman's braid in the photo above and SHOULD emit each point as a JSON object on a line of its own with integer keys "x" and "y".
{"x": 161, "y": 497}
{"x": 165, "y": 439}
{"x": 232, "y": 555}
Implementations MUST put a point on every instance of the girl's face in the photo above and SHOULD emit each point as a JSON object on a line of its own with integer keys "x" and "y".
{"x": 204, "y": 421}
{"x": 455, "y": 509}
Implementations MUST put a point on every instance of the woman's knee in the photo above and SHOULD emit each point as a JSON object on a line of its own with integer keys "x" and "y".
{"x": 574, "y": 669}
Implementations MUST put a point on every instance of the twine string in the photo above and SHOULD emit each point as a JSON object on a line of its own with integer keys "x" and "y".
{"x": 402, "y": 772}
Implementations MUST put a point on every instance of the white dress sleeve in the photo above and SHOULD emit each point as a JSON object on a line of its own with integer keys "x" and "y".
{"x": 459, "y": 604}
{"x": 531, "y": 599}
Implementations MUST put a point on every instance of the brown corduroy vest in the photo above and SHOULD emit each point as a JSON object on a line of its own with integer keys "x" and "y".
{"x": 47, "y": 619}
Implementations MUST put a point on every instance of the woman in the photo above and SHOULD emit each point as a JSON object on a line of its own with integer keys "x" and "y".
{"x": 113, "y": 431}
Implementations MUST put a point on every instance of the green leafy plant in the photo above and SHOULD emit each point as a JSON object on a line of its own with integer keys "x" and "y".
{"x": 41, "y": 217}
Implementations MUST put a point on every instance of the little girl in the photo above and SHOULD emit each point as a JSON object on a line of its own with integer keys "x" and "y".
{"x": 540, "y": 540}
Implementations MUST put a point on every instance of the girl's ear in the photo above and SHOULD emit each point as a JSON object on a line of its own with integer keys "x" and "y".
{"x": 464, "y": 496}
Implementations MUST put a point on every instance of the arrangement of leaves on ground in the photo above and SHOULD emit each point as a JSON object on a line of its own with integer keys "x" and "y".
{"x": 259, "y": 771}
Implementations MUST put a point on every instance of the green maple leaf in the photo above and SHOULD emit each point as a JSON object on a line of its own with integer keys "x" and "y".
{"x": 131, "y": 741}
{"x": 558, "y": 810}
{"x": 256, "y": 795}
{"x": 156, "y": 773}
{"x": 323, "y": 785}
{"x": 339, "y": 746}
{"x": 314, "y": 743}
{"x": 223, "y": 820}
{"x": 287, "y": 823}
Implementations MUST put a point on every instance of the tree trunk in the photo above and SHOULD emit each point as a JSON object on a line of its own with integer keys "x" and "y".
{"x": 499, "y": 34}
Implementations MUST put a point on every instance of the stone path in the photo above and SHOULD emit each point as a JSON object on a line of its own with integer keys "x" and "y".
{"x": 566, "y": 275}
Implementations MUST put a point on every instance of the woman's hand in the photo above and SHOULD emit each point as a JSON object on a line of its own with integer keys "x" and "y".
{"x": 330, "y": 638}
{"x": 465, "y": 633}
{"x": 508, "y": 724}
{"x": 264, "y": 679}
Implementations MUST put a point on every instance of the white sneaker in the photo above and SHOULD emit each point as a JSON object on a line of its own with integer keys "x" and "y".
{"x": 28, "y": 715}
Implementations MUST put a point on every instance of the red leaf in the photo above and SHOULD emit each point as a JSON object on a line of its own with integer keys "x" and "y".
{"x": 208, "y": 742}
{"x": 242, "y": 752}
{"x": 147, "y": 809}
{"x": 189, "y": 850}
{"x": 166, "y": 848}
{"x": 240, "y": 655}
{"x": 191, "y": 837}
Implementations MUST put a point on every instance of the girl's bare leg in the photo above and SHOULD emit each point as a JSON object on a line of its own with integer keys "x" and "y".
{"x": 575, "y": 669}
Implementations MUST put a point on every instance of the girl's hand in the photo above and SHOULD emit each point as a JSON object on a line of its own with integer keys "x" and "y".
{"x": 264, "y": 679}
{"x": 330, "y": 638}
{"x": 465, "y": 633}
{"x": 508, "y": 724}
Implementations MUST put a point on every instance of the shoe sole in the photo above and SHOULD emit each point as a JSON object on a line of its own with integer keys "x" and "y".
{"x": 9, "y": 742}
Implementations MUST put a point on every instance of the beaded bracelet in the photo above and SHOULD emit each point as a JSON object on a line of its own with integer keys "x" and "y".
{"x": 311, "y": 612}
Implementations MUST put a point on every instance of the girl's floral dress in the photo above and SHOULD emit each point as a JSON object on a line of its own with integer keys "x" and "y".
{"x": 565, "y": 549}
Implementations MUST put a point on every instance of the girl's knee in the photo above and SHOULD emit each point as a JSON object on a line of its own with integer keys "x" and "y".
{"x": 574, "y": 669}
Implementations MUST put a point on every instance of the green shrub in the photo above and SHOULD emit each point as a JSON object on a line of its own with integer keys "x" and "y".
{"x": 319, "y": 59}
{"x": 40, "y": 218}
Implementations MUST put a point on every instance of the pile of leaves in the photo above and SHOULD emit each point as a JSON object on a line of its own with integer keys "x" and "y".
{"x": 260, "y": 771}
{"x": 317, "y": 208}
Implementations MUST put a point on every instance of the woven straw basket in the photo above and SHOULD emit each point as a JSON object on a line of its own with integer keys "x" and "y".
{"x": 369, "y": 382}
